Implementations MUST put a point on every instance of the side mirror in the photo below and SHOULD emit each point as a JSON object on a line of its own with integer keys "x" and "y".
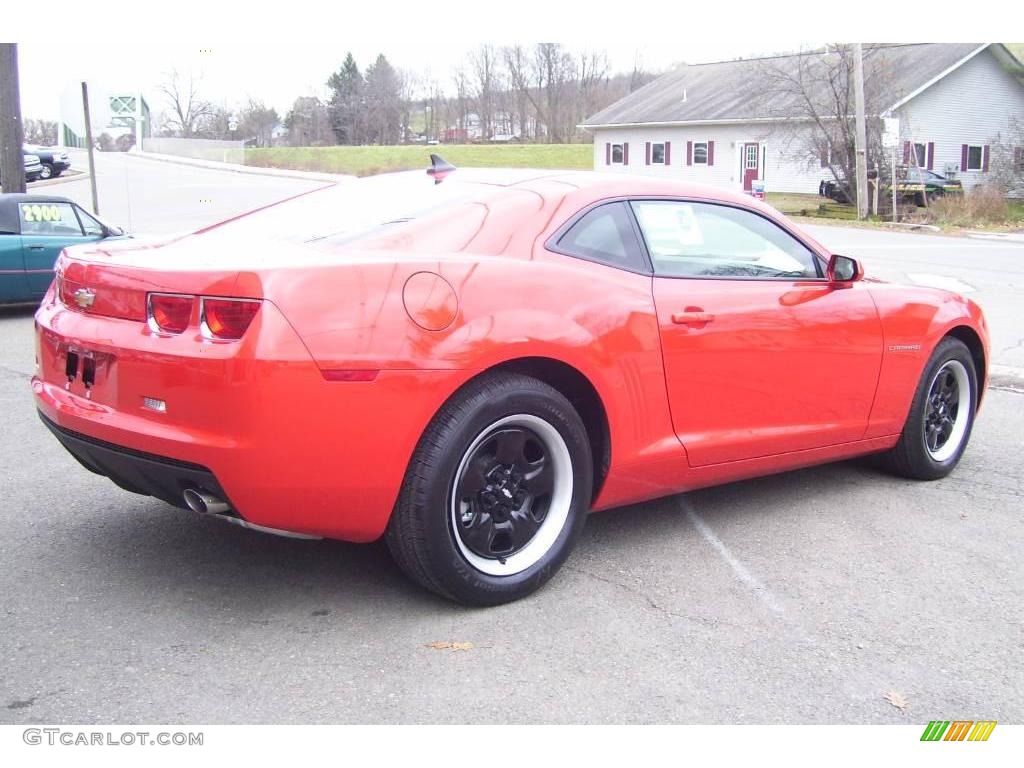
{"x": 843, "y": 269}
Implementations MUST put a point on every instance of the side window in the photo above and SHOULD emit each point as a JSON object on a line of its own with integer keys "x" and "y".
{"x": 48, "y": 219}
{"x": 89, "y": 224}
{"x": 604, "y": 234}
{"x": 706, "y": 240}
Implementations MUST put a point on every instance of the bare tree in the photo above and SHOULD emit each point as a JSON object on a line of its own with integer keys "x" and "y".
{"x": 216, "y": 124}
{"x": 408, "y": 88}
{"x": 188, "y": 108}
{"x": 257, "y": 122}
{"x": 1007, "y": 158}
{"x": 462, "y": 96}
{"x": 308, "y": 123}
{"x": 553, "y": 71}
{"x": 517, "y": 66}
{"x": 40, "y": 132}
{"x": 486, "y": 83}
{"x": 592, "y": 74}
{"x": 811, "y": 95}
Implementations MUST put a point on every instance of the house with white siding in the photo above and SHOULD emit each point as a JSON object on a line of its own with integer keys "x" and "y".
{"x": 720, "y": 123}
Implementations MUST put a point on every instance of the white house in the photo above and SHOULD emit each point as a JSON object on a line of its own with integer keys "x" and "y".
{"x": 715, "y": 123}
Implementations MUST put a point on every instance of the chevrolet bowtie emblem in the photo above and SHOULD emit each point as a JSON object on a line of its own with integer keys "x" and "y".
{"x": 84, "y": 297}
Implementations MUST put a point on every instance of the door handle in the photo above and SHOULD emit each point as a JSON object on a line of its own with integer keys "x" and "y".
{"x": 693, "y": 316}
{"x": 36, "y": 247}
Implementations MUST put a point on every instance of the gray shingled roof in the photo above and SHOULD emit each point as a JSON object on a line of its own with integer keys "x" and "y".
{"x": 735, "y": 90}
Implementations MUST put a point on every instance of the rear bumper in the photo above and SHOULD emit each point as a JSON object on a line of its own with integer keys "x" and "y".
{"x": 253, "y": 422}
{"x": 136, "y": 471}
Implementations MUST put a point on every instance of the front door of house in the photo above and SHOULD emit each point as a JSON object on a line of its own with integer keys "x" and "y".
{"x": 751, "y": 168}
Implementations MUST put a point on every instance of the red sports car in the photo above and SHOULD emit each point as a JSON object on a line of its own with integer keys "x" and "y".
{"x": 469, "y": 367}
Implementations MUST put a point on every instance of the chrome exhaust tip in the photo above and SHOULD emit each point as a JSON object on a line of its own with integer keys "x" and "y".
{"x": 205, "y": 503}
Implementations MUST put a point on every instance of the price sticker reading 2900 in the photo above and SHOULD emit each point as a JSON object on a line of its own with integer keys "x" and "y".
{"x": 35, "y": 212}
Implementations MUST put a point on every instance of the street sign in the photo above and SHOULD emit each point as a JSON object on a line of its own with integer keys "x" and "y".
{"x": 890, "y": 132}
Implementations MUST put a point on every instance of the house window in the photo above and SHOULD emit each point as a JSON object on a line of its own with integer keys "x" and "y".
{"x": 700, "y": 153}
{"x": 921, "y": 155}
{"x": 974, "y": 158}
{"x": 658, "y": 153}
{"x": 616, "y": 154}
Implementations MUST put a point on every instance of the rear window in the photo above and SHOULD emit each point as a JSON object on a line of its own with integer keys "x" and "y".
{"x": 362, "y": 209}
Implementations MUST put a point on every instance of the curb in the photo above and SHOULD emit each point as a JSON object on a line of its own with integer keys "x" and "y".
{"x": 214, "y": 165}
{"x": 62, "y": 179}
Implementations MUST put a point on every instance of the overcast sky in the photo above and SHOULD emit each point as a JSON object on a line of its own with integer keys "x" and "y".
{"x": 280, "y": 73}
{"x": 279, "y": 51}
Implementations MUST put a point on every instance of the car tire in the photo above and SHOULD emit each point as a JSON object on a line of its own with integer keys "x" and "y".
{"x": 941, "y": 416}
{"x": 496, "y": 493}
{"x": 47, "y": 171}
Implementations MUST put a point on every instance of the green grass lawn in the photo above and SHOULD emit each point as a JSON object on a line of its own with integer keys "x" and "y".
{"x": 1016, "y": 211}
{"x": 793, "y": 204}
{"x": 364, "y": 161}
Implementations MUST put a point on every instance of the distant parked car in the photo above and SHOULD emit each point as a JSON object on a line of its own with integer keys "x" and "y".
{"x": 914, "y": 183}
{"x": 53, "y": 160}
{"x": 34, "y": 229}
{"x": 33, "y": 168}
{"x": 835, "y": 190}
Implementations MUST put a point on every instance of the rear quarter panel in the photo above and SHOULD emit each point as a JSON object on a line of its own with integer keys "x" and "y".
{"x": 597, "y": 319}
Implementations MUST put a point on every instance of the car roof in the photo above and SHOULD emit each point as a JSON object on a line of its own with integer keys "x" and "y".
{"x": 9, "y": 207}
{"x": 595, "y": 185}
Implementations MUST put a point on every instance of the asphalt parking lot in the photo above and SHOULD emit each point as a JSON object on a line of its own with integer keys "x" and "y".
{"x": 800, "y": 598}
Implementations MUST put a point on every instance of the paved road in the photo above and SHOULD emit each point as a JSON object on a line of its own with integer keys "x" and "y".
{"x": 150, "y": 196}
{"x": 801, "y": 598}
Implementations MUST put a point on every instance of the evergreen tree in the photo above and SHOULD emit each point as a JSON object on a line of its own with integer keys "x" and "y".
{"x": 347, "y": 105}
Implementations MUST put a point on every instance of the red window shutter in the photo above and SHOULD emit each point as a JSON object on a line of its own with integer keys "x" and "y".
{"x": 931, "y": 155}
{"x": 963, "y": 157}
{"x": 689, "y": 153}
{"x": 984, "y": 159}
{"x": 625, "y": 153}
{"x": 906, "y": 153}
{"x": 647, "y": 153}
{"x": 823, "y": 158}
{"x": 668, "y": 153}
{"x": 608, "y": 153}
{"x": 711, "y": 153}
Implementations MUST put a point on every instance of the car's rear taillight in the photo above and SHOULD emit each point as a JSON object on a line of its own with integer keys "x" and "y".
{"x": 227, "y": 318}
{"x": 169, "y": 312}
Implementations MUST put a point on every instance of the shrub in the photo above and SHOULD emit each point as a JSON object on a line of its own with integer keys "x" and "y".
{"x": 982, "y": 205}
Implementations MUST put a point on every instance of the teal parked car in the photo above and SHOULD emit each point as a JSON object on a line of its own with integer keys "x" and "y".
{"x": 33, "y": 231}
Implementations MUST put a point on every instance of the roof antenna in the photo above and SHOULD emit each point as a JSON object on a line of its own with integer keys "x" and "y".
{"x": 439, "y": 168}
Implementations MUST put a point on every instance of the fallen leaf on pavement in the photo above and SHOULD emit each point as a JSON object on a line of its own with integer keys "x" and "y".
{"x": 897, "y": 700}
{"x": 444, "y": 645}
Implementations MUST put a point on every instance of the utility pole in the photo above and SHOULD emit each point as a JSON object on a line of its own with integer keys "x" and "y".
{"x": 861, "y": 135}
{"x": 89, "y": 147}
{"x": 12, "y": 159}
